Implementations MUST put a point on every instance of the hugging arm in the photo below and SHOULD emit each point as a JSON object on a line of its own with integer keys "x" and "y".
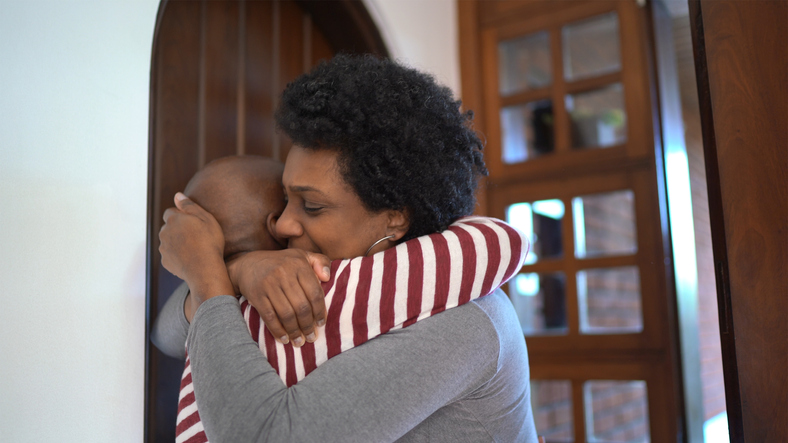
{"x": 376, "y": 392}
{"x": 472, "y": 258}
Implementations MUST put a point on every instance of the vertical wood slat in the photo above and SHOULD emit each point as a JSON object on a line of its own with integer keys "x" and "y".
{"x": 291, "y": 49}
{"x": 276, "y": 50}
{"x": 221, "y": 77}
{"x": 240, "y": 128}
{"x": 218, "y": 68}
{"x": 259, "y": 79}
{"x": 321, "y": 49}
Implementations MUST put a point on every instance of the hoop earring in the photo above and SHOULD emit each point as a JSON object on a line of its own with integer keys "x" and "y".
{"x": 376, "y": 243}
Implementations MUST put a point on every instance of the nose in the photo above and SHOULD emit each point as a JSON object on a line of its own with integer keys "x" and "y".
{"x": 287, "y": 226}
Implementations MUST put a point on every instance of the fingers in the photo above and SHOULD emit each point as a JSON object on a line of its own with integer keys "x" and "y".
{"x": 292, "y": 310}
{"x": 271, "y": 320}
{"x": 168, "y": 213}
{"x": 314, "y": 294}
{"x": 321, "y": 264}
{"x": 188, "y": 205}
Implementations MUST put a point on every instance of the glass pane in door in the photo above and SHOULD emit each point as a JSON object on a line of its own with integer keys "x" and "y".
{"x": 609, "y": 300}
{"x": 591, "y": 47}
{"x": 540, "y": 302}
{"x": 551, "y": 402}
{"x": 598, "y": 118}
{"x": 604, "y": 224}
{"x": 541, "y": 222}
{"x": 527, "y": 131}
{"x": 616, "y": 411}
{"x": 524, "y": 63}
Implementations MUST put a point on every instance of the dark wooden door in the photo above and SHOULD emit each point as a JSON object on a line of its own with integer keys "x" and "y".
{"x": 741, "y": 59}
{"x": 218, "y": 68}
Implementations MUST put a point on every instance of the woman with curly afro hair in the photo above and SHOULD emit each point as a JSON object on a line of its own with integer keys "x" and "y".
{"x": 383, "y": 159}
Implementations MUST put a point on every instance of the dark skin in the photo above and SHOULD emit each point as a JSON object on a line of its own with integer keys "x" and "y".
{"x": 323, "y": 219}
{"x": 244, "y": 195}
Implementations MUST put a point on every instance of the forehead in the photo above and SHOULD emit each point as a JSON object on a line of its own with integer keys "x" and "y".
{"x": 305, "y": 167}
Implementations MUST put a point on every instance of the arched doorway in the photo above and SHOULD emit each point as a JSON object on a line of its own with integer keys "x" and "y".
{"x": 216, "y": 72}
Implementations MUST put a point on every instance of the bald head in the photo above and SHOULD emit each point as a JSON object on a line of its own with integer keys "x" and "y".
{"x": 241, "y": 192}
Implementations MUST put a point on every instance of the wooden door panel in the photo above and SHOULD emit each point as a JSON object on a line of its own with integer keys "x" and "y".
{"x": 217, "y": 70}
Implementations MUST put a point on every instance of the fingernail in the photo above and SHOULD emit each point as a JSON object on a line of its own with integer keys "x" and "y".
{"x": 284, "y": 339}
{"x": 311, "y": 337}
{"x": 179, "y": 196}
{"x": 298, "y": 342}
{"x": 321, "y": 322}
{"x": 327, "y": 270}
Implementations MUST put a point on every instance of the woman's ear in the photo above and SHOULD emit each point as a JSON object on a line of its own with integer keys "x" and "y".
{"x": 398, "y": 224}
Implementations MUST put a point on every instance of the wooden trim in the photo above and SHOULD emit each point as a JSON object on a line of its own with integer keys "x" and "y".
{"x": 527, "y": 96}
{"x": 717, "y": 222}
{"x": 150, "y": 230}
{"x": 588, "y": 84}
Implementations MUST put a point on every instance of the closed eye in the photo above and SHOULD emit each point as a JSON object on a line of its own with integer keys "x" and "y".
{"x": 312, "y": 209}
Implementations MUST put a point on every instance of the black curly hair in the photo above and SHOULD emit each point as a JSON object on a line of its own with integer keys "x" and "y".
{"x": 402, "y": 141}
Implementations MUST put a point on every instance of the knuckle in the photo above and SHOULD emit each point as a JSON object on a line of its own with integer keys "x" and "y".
{"x": 268, "y": 316}
{"x": 303, "y": 310}
{"x": 288, "y": 317}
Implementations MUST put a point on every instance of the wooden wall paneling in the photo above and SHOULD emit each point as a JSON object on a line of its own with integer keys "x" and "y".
{"x": 320, "y": 47}
{"x": 290, "y": 58}
{"x": 217, "y": 70}
{"x": 347, "y": 25}
{"x": 175, "y": 116}
{"x": 220, "y": 80}
{"x": 260, "y": 91}
{"x": 741, "y": 65}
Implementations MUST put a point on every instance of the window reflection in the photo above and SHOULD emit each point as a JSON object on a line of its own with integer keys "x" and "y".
{"x": 604, "y": 224}
{"x": 598, "y": 117}
{"x": 616, "y": 411}
{"x": 524, "y": 63}
{"x": 540, "y": 221}
{"x": 609, "y": 300}
{"x": 551, "y": 402}
{"x": 591, "y": 47}
{"x": 540, "y": 302}
{"x": 527, "y": 131}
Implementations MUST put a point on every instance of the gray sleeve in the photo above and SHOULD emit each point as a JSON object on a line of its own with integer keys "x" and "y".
{"x": 375, "y": 392}
{"x": 170, "y": 328}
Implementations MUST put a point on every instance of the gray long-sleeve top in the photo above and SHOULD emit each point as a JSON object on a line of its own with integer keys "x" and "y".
{"x": 459, "y": 376}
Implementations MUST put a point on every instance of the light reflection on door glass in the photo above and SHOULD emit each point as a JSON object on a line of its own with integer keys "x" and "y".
{"x": 527, "y": 131}
{"x": 540, "y": 302}
{"x": 604, "y": 224}
{"x": 541, "y": 222}
{"x": 598, "y": 117}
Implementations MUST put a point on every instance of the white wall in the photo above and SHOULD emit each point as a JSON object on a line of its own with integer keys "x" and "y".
{"x": 73, "y": 172}
{"x": 421, "y": 34}
{"x": 73, "y": 166}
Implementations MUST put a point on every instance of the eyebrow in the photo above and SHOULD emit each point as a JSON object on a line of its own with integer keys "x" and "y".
{"x": 305, "y": 189}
